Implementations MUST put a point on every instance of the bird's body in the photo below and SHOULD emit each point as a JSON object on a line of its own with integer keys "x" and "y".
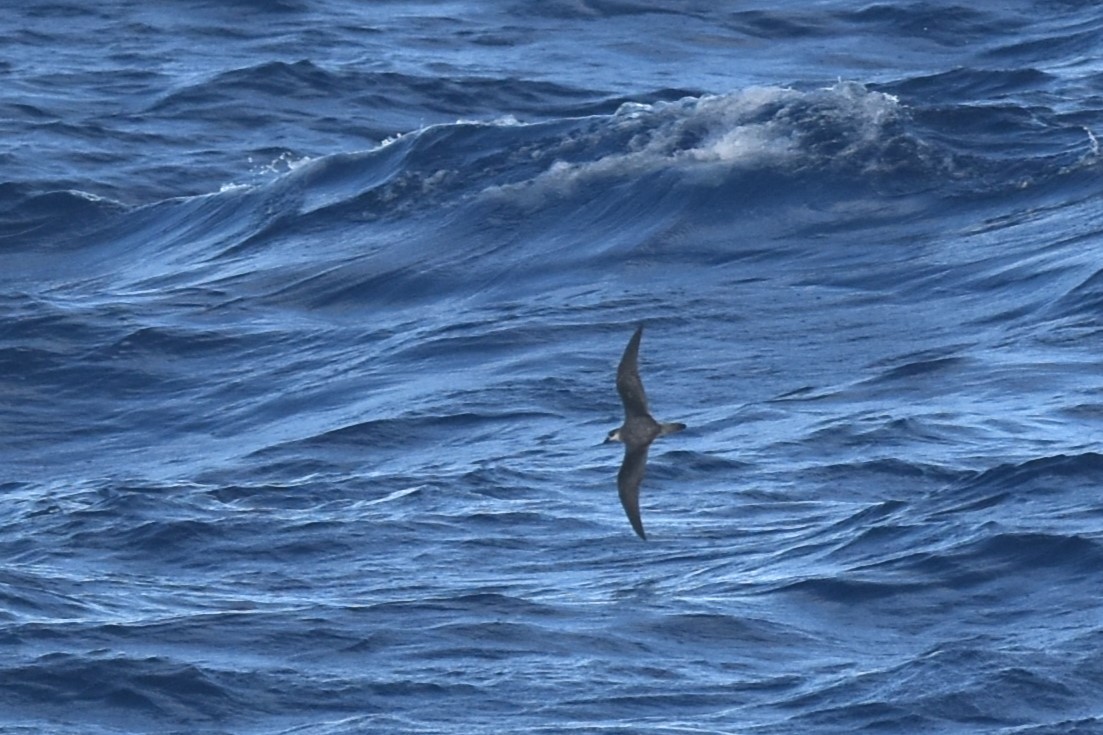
{"x": 637, "y": 433}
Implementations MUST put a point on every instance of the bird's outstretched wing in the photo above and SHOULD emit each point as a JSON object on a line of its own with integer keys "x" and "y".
{"x": 628, "y": 379}
{"x": 628, "y": 483}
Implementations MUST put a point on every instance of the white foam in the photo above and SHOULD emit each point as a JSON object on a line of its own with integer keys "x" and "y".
{"x": 395, "y": 495}
{"x": 753, "y": 128}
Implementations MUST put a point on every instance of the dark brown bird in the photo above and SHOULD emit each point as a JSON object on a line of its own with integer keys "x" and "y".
{"x": 637, "y": 433}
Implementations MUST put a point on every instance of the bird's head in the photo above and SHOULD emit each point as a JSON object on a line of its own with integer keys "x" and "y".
{"x": 614, "y": 436}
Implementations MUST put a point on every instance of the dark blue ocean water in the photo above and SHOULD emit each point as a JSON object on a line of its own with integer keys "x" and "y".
{"x": 309, "y": 314}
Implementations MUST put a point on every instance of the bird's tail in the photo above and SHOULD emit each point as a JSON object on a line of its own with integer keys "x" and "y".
{"x": 665, "y": 429}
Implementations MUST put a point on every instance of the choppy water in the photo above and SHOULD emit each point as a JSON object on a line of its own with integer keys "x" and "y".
{"x": 308, "y": 321}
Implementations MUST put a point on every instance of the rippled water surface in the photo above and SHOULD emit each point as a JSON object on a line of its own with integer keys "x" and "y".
{"x": 309, "y": 318}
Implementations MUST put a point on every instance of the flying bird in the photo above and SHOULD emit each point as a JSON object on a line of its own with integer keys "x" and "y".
{"x": 637, "y": 433}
